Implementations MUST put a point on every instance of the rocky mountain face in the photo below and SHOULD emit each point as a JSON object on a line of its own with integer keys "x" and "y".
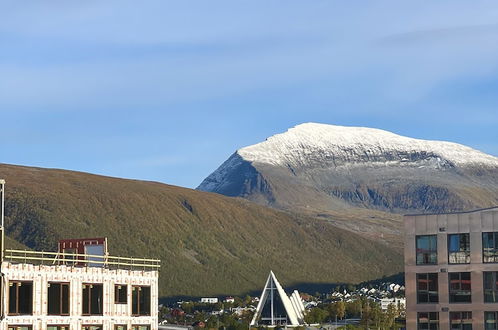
{"x": 330, "y": 171}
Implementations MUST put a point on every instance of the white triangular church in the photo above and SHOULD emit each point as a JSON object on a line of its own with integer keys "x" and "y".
{"x": 276, "y": 308}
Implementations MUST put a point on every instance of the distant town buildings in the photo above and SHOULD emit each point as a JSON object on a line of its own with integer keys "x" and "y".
{"x": 229, "y": 300}
{"x": 383, "y": 293}
{"x": 399, "y": 303}
{"x": 451, "y": 270}
{"x": 209, "y": 300}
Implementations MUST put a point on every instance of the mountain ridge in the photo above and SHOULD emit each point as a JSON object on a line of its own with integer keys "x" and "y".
{"x": 229, "y": 243}
{"x": 319, "y": 169}
{"x": 365, "y": 139}
{"x": 308, "y": 149}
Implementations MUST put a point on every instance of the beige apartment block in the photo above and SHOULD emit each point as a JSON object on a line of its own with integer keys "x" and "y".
{"x": 79, "y": 287}
{"x": 451, "y": 270}
{"x": 64, "y": 295}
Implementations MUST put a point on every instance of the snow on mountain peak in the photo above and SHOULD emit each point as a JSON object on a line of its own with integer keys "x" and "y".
{"x": 311, "y": 143}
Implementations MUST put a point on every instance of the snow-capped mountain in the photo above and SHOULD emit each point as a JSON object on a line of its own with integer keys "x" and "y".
{"x": 324, "y": 167}
{"x": 313, "y": 144}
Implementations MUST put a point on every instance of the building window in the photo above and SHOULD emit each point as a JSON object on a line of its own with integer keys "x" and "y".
{"x": 426, "y": 246}
{"x": 140, "y": 327}
{"x": 20, "y": 298}
{"x": 461, "y": 320}
{"x": 428, "y": 321}
{"x": 120, "y": 294}
{"x": 58, "y": 327}
{"x": 490, "y": 287}
{"x": 92, "y": 299}
{"x": 490, "y": 320}
{"x": 459, "y": 248}
{"x": 58, "y": 298}
{"x": 490, "y": 247}
{"x": 20, "y": 327}
{"x": 460, "y": 288}
{"x": 427, "y": 288}
{"x": 140, "y": 301}
{"x": 120, "y": 327}
{"x": 92, "y": 327}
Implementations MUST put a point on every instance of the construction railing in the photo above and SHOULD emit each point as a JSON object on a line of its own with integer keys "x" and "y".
{"x": 80, "y": 260}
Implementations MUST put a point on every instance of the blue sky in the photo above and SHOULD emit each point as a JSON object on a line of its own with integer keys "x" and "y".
{"x": 167, "y": 90}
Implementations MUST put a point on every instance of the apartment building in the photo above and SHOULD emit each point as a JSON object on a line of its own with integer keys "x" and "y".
{"x": 55, "y": 291}
{"x": 79, "y": 287}
{"x": 451, "y": 270}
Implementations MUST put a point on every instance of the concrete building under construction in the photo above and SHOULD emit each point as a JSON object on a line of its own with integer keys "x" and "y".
{"x": 79, "y": 286}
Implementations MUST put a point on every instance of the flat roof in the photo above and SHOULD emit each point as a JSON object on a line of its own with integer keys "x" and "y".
{"x": 457, "y": 212}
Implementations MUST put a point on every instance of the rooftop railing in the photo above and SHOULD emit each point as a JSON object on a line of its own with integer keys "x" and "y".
{"x": 80, "y": 260}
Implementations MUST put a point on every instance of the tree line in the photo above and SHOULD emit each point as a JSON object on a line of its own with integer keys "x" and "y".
{"x": 369, "y": 312}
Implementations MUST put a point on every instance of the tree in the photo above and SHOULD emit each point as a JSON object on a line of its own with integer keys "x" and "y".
{"x": 238, "y": 302}
{"x": 340, "y": 309}
{"x": 246, "y": 316}
{"x": 350, "y": 327}
{"x": 163, "y": 312}
{"x": 336, "y": 310}
{"x": 331, "y": 310}
{"x": 376, "y": 316}
{"x": 315, "y": 315}
{"x": 212, "y": 322}
{"x": 219, "y": 306}
{"x": 401, "y": 310}
{"x": 188, "y": 307}
{"x": 390, "y": 315}
{"x": 353, "y": 308}
{"x": 247, "y": 300}
{"x": 200, "y": 316}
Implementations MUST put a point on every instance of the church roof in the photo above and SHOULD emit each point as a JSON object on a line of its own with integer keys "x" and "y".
{"x": 292, "y": 304}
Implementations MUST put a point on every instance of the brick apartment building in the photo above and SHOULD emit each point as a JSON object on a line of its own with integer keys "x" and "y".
{"x": 451, "y": 270}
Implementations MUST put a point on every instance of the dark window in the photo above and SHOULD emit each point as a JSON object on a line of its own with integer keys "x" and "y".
{"x": 58, "y": 298}
{"x": 57, "y": 327}
{"x": 120, "y": 327}
{"x": 461, "y": 320}
{"x": 140, "y": 327}
{"x": 426, "y": 249}
{"x": 459, "y": 248}
{"x": 92, "y": 299}
{"x": 20, "y": 327}
{"x": 20, "y": 298}
{"x": 140, "y": 301}
{"x": 460, "y": 288}
{"x": 490, "y": 247}
{"x": 92, "y": 327}
{"x": 120, "y": 294}
{"x": 491, "y": 320}
{"x": 427, "y": 288}
{"x": 490, "y": 287}
{"x": 428, "y": 321}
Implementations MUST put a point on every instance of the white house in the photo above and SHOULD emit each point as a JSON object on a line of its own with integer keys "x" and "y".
{"x": 398, "y": 302}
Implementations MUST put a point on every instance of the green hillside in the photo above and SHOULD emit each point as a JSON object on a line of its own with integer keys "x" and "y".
{"x": 209, "y": 244}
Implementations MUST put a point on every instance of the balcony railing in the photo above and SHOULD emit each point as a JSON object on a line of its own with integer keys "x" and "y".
{"x": 80, "y": 260}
